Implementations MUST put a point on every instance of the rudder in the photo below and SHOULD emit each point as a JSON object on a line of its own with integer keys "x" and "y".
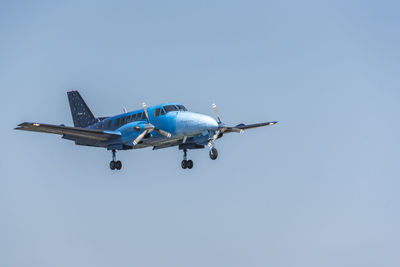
{"x": 81, "y": 114}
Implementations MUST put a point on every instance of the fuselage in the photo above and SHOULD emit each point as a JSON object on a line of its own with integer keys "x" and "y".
{"x": 171, "y": 117}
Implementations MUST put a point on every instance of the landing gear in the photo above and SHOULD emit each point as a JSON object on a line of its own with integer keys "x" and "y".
{"x": 186, "y": 164}
{"x": 115, "y": 165}
{"x": 118, "y": 165}
{"x": 189, "y": 164}
{"x": 213, "y": 153}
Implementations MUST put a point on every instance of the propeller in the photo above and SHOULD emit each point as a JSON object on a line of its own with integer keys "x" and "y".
{"x": 214, "y": 106}
{"x": 222, "y": 128}
{"x": 148, "y": 128}
{"x": 220, "y": 123}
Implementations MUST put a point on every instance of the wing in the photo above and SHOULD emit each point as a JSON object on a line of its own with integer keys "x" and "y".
{"x": 241, "y": 127}
{"x": 92, "y": 134}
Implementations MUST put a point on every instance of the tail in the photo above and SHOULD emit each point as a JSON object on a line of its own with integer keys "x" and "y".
{"x": 81, "y": 114}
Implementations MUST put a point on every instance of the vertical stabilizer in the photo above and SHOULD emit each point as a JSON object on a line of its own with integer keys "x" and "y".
{"x": 81, "y": 114}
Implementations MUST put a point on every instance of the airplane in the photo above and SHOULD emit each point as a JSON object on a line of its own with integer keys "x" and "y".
{"x": 160, "y": 126}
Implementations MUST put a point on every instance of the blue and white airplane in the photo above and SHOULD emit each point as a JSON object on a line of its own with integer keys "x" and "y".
{"x": 161, "y": 126}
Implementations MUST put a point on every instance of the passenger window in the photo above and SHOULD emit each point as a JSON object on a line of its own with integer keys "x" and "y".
{"x": 109, "y": 124}
{"x": 133, "y": 117}
{"x": 128, "y": 119}
{"x": 170, "y": 108}
{"x": 117, "y": 122}
{"x": 157, "y": 113}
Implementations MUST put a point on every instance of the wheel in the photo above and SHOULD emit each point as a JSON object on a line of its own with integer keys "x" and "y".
{"x": 112, "y": 165}
{"x": 213, "y": 153}
{"x": 184, "y": 164}
{"x": 118, "y": 165}
{"x": 189, "y": 164}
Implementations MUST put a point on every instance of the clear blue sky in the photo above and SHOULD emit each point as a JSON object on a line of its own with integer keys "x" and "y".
{"x": 321, "y": 188}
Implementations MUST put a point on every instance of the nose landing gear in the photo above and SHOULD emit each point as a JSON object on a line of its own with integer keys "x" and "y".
{"x": 186, "y": 163}
{"x": 115, "y": 165}
{"x": 213, "y": 153}
{"x": 213, "y": 150}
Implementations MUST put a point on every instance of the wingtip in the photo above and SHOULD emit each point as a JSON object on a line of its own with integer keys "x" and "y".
{"x": 24, "y": 124}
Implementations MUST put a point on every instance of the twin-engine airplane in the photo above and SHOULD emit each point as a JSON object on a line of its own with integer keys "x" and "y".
{"x": 160, "y": 126}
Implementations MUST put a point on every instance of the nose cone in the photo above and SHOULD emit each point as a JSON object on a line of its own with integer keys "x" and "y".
{"x": 190, "y": 124}
{"x": 208, "y": 123}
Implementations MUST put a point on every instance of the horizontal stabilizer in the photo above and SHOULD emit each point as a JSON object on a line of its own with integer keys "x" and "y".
{"x": 92, "y": 134}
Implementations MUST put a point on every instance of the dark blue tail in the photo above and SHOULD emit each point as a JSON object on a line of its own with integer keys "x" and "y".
{"x": 81, "y": 114}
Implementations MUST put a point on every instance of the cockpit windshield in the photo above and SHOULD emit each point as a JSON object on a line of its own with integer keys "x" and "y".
{"x": 170, "y": 108}
{"x": 182, "y": 108}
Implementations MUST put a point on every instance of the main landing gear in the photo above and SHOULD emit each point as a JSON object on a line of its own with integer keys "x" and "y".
{"x": 115, "y": 165}
{"x": 186, "y": 163}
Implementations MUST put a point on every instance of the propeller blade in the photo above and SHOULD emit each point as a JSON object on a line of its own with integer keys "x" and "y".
{"x": 145, "y": 111}
{"x": 140, "y": 137}
{"x": 215, "y": 137}
{"x": 165, "y": 133}
{"x": 216, "y": 112}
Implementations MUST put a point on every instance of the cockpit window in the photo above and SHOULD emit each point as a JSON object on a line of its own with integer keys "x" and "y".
{"x": 162, "y": 112}
{"x": 170, "y": 108}
{"x": 157, "y": 112}
{"x": 182, "y": 108}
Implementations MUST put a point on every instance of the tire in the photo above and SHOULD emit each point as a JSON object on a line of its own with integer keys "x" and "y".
{"x": 213, "y": 153}
{"x": 189, "y": 164}
{"x": 112, "y": 165}
{"x": 118, "y": 165}
{"x": 184, "y": 164}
